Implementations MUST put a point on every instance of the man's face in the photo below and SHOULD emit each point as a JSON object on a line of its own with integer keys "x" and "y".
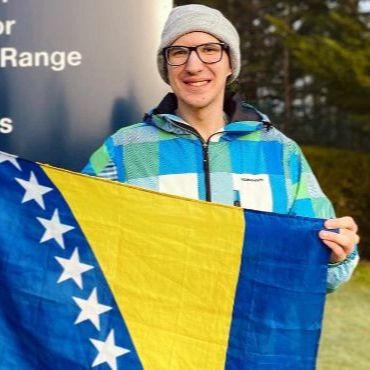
{"x": 197, "y": 84}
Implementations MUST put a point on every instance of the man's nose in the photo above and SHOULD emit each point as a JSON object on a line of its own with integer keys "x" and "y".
{"x": 194, "y": 64}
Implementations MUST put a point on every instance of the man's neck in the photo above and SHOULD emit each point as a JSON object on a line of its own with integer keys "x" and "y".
{"x": 206, "y": 121}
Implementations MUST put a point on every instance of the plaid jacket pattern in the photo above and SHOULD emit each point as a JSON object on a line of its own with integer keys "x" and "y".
{"x": 249, "y": 164}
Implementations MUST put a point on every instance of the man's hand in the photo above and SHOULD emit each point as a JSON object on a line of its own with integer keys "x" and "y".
{"x": 341, "y": 244}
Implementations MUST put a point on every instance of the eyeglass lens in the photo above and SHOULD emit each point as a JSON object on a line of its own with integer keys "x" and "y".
{"x": 207, "y": 53}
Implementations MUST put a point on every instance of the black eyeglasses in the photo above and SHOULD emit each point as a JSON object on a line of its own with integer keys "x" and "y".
{"x": 208, "y": 53}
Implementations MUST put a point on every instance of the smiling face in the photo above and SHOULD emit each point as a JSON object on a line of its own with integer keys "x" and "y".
{"x": 196, "y": 84}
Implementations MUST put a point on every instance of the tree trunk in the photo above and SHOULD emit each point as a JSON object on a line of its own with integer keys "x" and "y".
{"x": 287, "y": 78}
{"x": 287, "y": 90}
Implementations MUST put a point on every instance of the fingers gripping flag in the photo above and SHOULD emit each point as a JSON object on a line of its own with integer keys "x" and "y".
{"x": 95, "y": 274}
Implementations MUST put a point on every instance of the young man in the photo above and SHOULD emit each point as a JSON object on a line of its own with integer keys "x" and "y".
{"x": 203, "y": 144}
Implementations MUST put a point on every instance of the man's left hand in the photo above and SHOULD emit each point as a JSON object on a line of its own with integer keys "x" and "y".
{"x": 342, "y": 243}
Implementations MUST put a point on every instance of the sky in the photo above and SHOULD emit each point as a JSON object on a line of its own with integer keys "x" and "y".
{"x": 365, "y": 5}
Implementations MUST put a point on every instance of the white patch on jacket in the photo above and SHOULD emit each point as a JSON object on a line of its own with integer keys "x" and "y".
{"x": 254, "y": 191}
{"x": 185, "y": 185}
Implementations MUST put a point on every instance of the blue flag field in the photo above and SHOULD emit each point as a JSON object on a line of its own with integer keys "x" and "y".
{"x": 98, "y": 274}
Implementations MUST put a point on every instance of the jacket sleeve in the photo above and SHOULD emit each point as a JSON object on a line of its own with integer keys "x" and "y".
{"x": 307, "y": 199}
{"x": 102, "y": 163}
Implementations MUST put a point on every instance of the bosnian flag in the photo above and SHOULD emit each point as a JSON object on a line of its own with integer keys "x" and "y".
{"x": 97, "y": 274}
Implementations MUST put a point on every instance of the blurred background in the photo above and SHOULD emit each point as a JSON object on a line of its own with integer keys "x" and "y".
{"x": 307, "y": 65}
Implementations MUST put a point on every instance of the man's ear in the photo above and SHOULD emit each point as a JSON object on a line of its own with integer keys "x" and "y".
{"x": 231, "y": 67}
{"x": 230, "y": 71}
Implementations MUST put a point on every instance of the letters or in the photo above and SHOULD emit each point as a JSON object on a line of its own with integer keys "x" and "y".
{"x": 6, "y": 27}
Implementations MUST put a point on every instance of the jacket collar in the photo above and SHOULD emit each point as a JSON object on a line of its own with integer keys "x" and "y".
{"x": 243, "y": 117}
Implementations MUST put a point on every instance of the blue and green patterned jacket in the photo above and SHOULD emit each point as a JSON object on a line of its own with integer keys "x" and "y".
{"x": 249, "y": 164}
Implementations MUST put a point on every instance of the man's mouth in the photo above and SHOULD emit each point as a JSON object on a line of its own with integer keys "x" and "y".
{"x": 197, "y": 83}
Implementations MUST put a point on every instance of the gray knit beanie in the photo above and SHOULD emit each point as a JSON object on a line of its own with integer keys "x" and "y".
{"x": 189, "y": 18}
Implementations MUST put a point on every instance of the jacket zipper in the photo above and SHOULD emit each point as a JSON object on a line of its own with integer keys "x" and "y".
{"x": 207, "y": 172}
{"x": 206, "y": 169}
{"x": 207, "y": 175}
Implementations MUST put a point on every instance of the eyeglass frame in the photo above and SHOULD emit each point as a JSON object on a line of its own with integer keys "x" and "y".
{"x": 224, "y": 47}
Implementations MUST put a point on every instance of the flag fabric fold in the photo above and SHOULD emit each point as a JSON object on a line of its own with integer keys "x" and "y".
{"x": 96, "y": 274}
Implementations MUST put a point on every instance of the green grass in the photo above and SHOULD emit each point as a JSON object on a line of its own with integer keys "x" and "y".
{"x": 345, "y": 341}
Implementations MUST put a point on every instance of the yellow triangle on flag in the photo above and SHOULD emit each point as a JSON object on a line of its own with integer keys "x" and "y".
{"x": 172, "y": 265}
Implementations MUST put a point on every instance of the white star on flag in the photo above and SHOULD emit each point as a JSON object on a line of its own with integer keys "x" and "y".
{"x": 91, "y": 309}
{"x": 54, "y": 229}
{"x": 108, "y": 351}
{"x": 34, "y": 191}
{"x": 73, "y": 268}
{"x": 4, "y": 157}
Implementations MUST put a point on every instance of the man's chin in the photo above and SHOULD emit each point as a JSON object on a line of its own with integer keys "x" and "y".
{"x": 198, "y": 102}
